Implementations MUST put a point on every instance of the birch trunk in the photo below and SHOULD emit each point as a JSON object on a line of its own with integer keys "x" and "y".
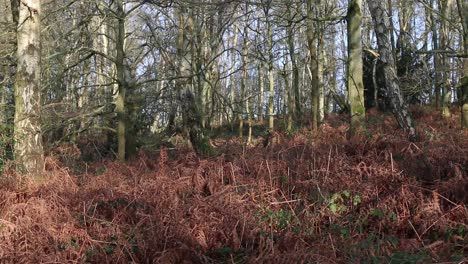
{"x": 445, "y": 8}
{"x": 29, "y": 153}
{"x": 271, "y": 77}
{"x": 399, "y": 107}
{"x": 261, "y": 85}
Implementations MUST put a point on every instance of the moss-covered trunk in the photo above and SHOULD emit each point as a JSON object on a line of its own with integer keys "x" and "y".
{"x": 191, "y": 114}
{"x": 355, "y": 66}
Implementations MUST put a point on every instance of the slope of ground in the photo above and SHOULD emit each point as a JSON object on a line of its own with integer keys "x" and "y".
{"x": 315, "y": 197}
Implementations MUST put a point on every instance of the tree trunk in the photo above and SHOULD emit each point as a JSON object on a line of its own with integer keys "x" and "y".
{"x": 295, "y": 70}
{"x": 191, "y": 116}
{"x": 355, "y": 66}
{"x": 320, "y": 69}
{"x": 436, "y": 60}
{"x": 289, "y": 101}
{"x": 271, "y": 77}
{"x": 232, "y": 94}
{"x": 443, "y": 44}
{"x": 463, "y": 13}
{"x": 3, "y": 85}
{"x": 242, "y": 104}
{"x": 29, "y": 153}
{"x": 391, "y": 27}
{"x": 312, "y": 41}
{"x": 125, "y": 135}
{"x": 261, "y": 85}
{"x": 399, "y": 107}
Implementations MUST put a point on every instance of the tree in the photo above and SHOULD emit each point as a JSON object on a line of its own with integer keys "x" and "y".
{"x": 191, "y": 114}
{"x": 125, "y": 85}
{"x": 399, "y": 107}
{"x": 355, "y": 64}
{"x": 291, "y": 39}
{"x": 267, "y": 10}
{"x": 446, "y": 92}
{"x": 314, "y": 67}
{"x": 244, "y": 105}
{"x": 463, "y": 13}
{"x": 29, "y": 153}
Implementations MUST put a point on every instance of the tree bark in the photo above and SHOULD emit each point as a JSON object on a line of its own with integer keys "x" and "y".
{"x": 463, "y": 13}
{"x": 271, "y": 77}
{"x": 312, "y": 41}
{"x": 445, "y": 7}
{"x": 399, "y": 107}
{"x": 125, "y": 135}
{"x": 436, "y": 59}
{"x": 29, "y": 153}
{"x": 295, "y": 70}
{"x": 320, "y": 69}
{"x": 261, "y": 85}
{"x": 232, "y": 54}
{"x": 355, "y": 66}
{"x": 191, "y": 116}
{"x": 242, "y": 104}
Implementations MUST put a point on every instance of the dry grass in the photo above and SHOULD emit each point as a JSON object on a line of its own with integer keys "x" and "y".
{"x": 315, "y": 197}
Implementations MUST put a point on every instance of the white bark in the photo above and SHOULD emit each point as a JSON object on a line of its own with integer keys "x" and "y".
{"x": 29, "y": 152}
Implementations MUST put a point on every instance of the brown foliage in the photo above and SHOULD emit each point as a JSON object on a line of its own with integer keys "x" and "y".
{"x": 315, "y": 196}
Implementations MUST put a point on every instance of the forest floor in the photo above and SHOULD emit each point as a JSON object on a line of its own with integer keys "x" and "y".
{"x": 311, "y": 197}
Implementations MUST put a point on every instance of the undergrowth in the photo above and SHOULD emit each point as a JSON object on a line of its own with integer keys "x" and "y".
{"x": 312, "y": 197}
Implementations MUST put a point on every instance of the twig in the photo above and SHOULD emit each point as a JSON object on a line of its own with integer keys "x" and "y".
{"x": 417, "y": 234}
{"x": 328, "y": 164}
{"x": 285, "y": 202}
{"x": 391, "y": 161}
{"x": 438, "y": 219}
{"x": 438, "y": 194}
{"x": 269, "y": 174}
{"x": 332, "y": 244}
{"x": 233, "y": 176}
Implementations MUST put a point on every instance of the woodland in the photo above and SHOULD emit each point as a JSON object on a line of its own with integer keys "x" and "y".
{"x": 233, "y": 131}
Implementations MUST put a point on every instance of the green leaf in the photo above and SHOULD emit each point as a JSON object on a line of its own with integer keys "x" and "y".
{"x": 377, "y": 213}
{"x": 347, "y": 194}
{"x": 356, "y": 200}
{"x": 224, "y": 250}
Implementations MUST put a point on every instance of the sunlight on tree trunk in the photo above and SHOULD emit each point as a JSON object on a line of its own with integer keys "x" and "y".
{"x": 355, "y": 66}
{"x": 445, "y": 6}
{"x": 399, "y": 107}
{"x": 289, "y": 100}
{"x": 29, "y": 153}
{"x": 261, "y": 85}
{"x": 191, "y": 116}
{"x": 232, "y": 87}
{"x": 121, "y": 107}
{"x": 271, "y": 77}
{"x": 295, "y": 70}
{"x": 243, "y": 105}
{"x": 312, "y": 41}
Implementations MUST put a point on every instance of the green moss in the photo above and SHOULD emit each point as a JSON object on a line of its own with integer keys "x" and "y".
{"x": 204, "y": 147}
{"x": 359, "y": 110}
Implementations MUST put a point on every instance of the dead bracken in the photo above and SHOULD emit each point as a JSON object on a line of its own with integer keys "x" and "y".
{"x": 315, "y": 197}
